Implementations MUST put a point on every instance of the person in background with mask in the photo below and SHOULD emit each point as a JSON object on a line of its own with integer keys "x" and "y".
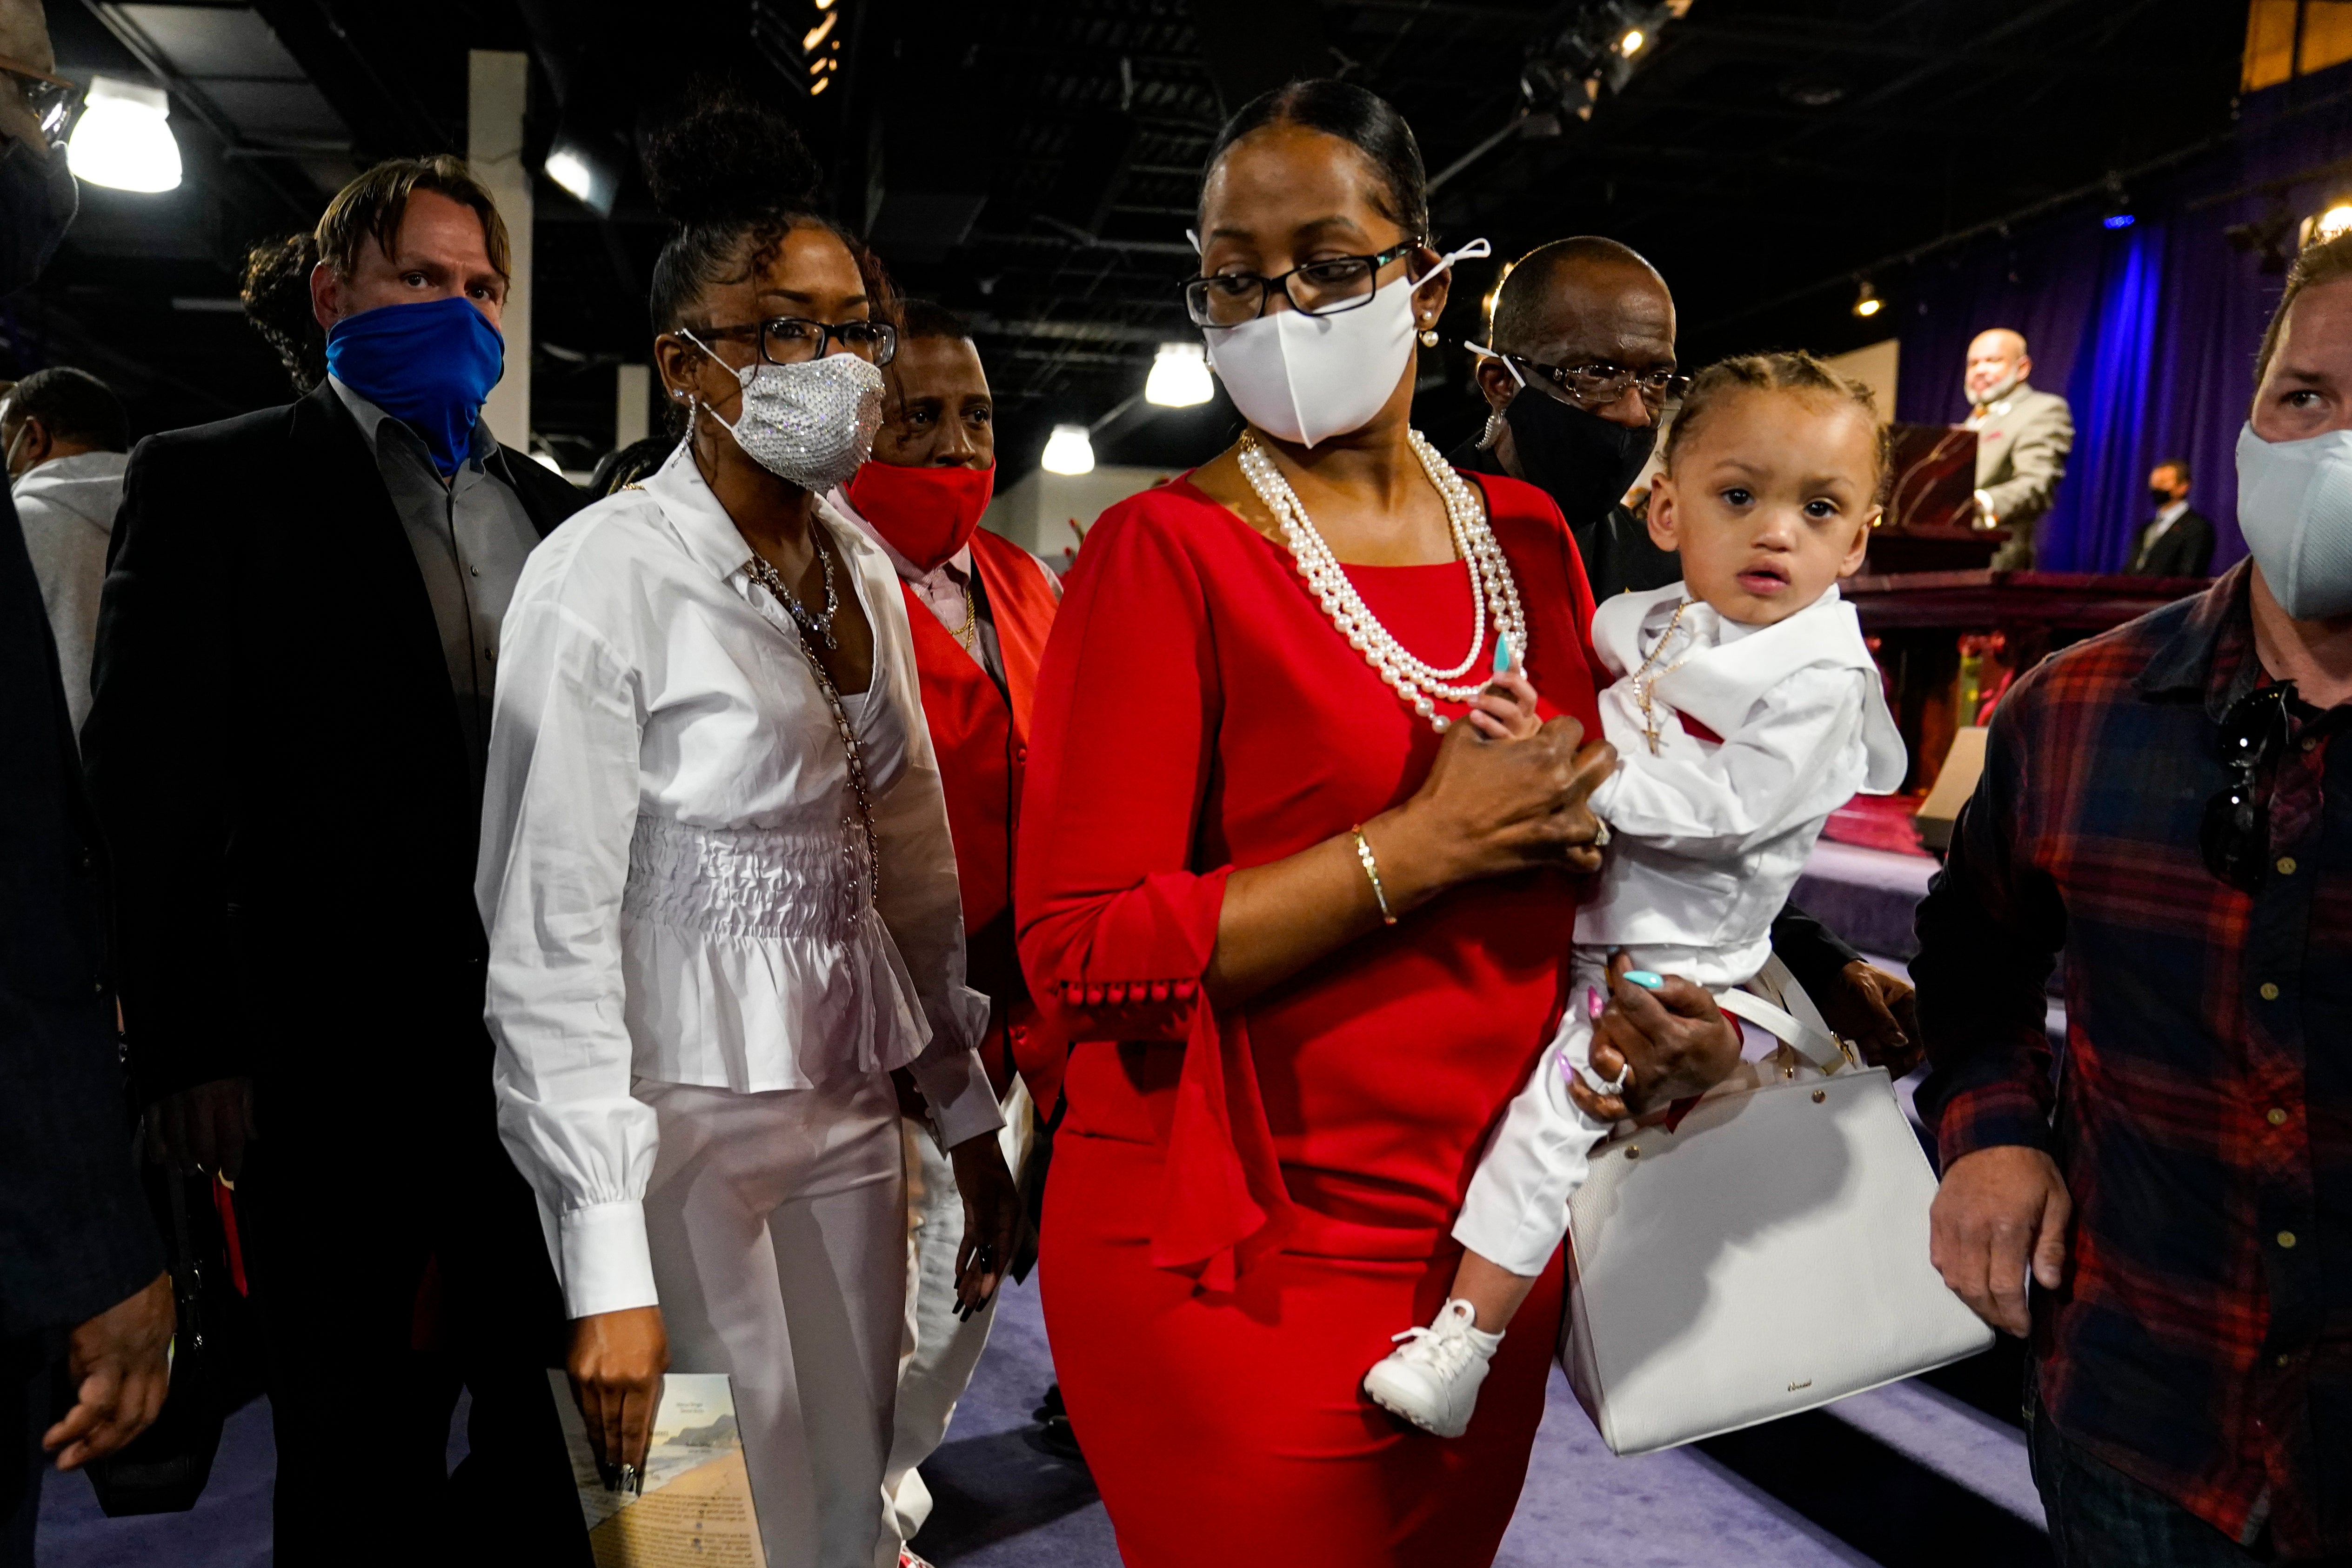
{"x": 1300, "y": 898}
{"x": 2193, "y": 1160}
{"x": 286, "y": 741}
{"x": 2179, "y": 541}
{"x": 718, "y": 875}
{"x": 64, "y": 433}
{"x": 980, "y": 608}
{"x": 2022, "y": 439}
{"x": 86, "y": 1310}
{"x": 1578, "y": 367}
{"x": 1579, "y": 372}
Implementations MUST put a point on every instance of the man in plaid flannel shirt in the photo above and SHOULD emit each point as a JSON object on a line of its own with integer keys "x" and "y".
{"x": 2189, "y": 1152}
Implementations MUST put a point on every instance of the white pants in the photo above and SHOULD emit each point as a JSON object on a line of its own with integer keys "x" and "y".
{"x": 778, "y": 1231}
{"x": 940, "y": 1350}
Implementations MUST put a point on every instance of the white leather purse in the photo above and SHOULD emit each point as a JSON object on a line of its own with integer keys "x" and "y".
{"x": 1768, "y": 1256}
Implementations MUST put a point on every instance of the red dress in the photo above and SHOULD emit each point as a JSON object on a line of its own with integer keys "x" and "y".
{"x": 1243, "y": 1208}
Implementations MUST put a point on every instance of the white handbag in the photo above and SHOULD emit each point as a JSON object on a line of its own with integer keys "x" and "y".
{"x": 1768, "y": 1256}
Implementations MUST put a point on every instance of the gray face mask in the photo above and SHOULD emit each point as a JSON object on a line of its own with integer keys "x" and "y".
{"x": 38, "y": 199}
{"x": 2294, "y": 506}
{"x": 812, "y": 424}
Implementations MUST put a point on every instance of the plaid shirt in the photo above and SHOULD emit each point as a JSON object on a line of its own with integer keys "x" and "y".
{"x": 2202, "y": 1108}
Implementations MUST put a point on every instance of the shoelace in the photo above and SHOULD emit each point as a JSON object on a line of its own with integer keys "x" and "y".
{"x": 1445, "y": 1348}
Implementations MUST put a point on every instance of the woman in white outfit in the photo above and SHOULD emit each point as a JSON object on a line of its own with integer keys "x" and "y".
{"x": 717, "y": 872}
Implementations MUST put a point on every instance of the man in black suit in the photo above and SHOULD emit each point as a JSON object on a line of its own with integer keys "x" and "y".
{"x": 293, "y": 678}
{"x": 85, "y": 1308}
{"x": 2180, "y": 541}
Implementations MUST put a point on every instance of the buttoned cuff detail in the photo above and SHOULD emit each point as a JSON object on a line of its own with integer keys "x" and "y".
{"x": 955, "y": 1086}
{"x": 605, "y": 1263}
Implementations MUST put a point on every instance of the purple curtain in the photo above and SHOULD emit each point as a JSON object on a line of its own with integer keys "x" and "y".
{"x": 2150, "y": 331}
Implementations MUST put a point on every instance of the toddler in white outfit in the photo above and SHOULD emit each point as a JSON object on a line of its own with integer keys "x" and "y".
{"x": 1746, "y": 708}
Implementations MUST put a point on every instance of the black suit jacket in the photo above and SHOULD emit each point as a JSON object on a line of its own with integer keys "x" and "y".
{"x": 275, "y": 750}
{"x": 75, "y": 1236}
{"x": 2184, "y": 550}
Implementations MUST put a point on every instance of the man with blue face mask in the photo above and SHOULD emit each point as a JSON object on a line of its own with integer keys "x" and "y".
{"x": 2167, "y": 802}
{"x": 295, "y": 664}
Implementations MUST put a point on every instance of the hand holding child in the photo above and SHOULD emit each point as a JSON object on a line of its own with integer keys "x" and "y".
{"x": 1506, "y": 710}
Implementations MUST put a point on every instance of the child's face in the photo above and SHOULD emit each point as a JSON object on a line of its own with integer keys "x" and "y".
{"x": 1769, "y": 502}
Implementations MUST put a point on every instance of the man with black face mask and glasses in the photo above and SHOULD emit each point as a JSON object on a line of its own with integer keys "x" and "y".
{"x": 1580, "y": 366}
{"x": 2167, "y": 802}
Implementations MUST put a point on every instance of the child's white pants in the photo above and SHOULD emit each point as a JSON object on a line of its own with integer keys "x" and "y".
{"x": 1517, "y": 1209}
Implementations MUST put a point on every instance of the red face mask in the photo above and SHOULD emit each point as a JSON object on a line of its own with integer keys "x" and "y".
{"x": 928, "y": 514}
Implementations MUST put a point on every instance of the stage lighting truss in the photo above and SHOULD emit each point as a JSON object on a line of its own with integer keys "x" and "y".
{"x": 1588, "y": 48}
{"x": 804, "y": 39}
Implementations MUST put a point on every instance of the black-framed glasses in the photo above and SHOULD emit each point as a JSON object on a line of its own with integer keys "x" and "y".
{"x": 1602, "y": 383}
{"x": 1319, "y": 288}
{"x": 54, "y": 101}
{"x": 795, "y": 341}
{"x": 2235, "y": 835}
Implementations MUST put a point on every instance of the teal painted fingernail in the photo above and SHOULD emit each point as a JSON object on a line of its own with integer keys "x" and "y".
{"x": 1646, "y": 980}
{"x": 1502, "y": 652}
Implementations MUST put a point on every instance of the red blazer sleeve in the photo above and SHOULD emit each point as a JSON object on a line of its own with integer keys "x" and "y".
{"x": 1117, "y": 922}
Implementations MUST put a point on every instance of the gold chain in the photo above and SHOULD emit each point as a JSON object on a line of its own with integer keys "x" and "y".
{"x": 1641, "y": 689}
{"x": 968, "y": 636}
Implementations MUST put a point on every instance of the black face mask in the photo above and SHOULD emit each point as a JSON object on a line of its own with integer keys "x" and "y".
{"x": 1586, "y": 461}
{"x": 2162, "y": 499}
{"x": 38, "y": 202}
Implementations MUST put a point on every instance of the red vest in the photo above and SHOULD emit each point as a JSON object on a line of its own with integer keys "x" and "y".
{"x": 984, "y": 749}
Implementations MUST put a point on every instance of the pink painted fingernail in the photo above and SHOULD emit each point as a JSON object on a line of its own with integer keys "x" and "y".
{"x": 1593, "y": 1004}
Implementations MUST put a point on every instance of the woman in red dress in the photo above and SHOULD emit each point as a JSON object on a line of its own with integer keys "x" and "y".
{"x": 1312, "y": 938}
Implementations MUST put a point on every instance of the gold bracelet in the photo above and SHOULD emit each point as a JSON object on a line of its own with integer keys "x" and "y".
{"x": 1372, "y": 869}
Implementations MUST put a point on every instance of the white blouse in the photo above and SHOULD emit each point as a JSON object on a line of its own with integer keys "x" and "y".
{"x": 672, "y": 866}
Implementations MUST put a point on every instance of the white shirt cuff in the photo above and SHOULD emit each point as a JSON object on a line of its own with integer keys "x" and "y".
{"x": 955, "y": 1086}
{"x": 606, "y": 1266}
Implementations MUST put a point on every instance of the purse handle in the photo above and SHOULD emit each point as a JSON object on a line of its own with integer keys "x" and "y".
{"x": 1799, "y": 1022}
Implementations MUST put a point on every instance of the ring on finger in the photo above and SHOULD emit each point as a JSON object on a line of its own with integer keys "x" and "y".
{"x": 1601, "y": 834}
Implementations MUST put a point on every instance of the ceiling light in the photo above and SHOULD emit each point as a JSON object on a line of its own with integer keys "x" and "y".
{"x": 583, "y": 166}
{"x": 1180, "y": 377}
{"x": 1631, "y": 44}
{"x": 1866, "y": 302}
{"x": 1068, "y": 451}
{"x": 2335, "y": 221}
{"x": 122, "y": 141}
{"x": 2117, "y": 221}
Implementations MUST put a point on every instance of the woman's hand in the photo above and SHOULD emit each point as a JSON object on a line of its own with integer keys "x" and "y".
{"x": 991, "y": 1216}
{"x": 1879, "y": 1013}
{"x": 616, "y": 1364}
{"x": 1490, "y": 807}
{"x": 1678, "y": 1041}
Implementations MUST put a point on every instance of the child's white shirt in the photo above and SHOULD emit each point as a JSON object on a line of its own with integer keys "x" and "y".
{"x": 1708, "y": 839}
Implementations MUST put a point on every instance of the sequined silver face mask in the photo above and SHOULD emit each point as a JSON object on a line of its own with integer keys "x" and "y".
{"x": 812, "y": 424}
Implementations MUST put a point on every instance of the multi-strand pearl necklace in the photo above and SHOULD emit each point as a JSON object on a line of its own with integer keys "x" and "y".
{"x": 1417, "y": 683}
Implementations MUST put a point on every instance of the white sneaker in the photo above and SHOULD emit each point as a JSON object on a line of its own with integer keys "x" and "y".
{"x": 1432, "y": 1379}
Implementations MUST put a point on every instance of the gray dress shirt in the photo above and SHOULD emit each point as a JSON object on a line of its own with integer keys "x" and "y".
{"x": 470, "y": 536}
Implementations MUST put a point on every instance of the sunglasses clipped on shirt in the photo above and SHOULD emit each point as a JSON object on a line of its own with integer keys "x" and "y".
{"x": 2235, "y": 835}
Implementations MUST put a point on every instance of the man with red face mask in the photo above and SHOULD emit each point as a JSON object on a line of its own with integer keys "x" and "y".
{"x": 980, "y": 608}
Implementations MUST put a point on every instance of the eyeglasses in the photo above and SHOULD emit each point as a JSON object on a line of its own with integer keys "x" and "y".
{"x": 1601, "y": 382}
{"x": 53, "y": 101}
{"x": 2235, "y": 835}
{"x": 1319, "y": 288}
{"x": 793, "y": 340}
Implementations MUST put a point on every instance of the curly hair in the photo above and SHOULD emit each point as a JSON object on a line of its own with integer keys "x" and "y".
{"x": 1798, "y": 372}
{"x": 277, "y": 293}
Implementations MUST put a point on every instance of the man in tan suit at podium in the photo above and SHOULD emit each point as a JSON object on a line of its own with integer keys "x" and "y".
{"x": 2022, "y": 439}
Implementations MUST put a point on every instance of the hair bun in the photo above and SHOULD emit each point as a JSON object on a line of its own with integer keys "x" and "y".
{"x": 727, "y": 160}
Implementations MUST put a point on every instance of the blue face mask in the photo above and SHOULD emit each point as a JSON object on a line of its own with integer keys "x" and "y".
{"x": 430, "y": 366}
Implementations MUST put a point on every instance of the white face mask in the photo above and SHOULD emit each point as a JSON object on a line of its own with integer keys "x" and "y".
{"x": 1995, "y": 392}
{"x": 1308, "y": 378}
{"x": 812, "y": 424}
{"x": 2294, "y": 506}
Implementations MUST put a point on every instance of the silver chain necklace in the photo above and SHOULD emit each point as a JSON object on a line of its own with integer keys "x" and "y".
{"x": 808, "y": 621}
{"x": 809, "y": 627}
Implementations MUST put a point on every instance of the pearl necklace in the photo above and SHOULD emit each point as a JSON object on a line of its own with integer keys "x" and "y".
{"x": 1416, "y": 683}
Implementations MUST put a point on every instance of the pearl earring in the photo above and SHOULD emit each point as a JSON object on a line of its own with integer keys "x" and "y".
{"x": 1493, "y": 433}
{"x": 1429, "y": 336}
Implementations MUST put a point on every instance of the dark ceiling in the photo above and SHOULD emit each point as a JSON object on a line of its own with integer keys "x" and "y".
{"x": 1033, "y": 165}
